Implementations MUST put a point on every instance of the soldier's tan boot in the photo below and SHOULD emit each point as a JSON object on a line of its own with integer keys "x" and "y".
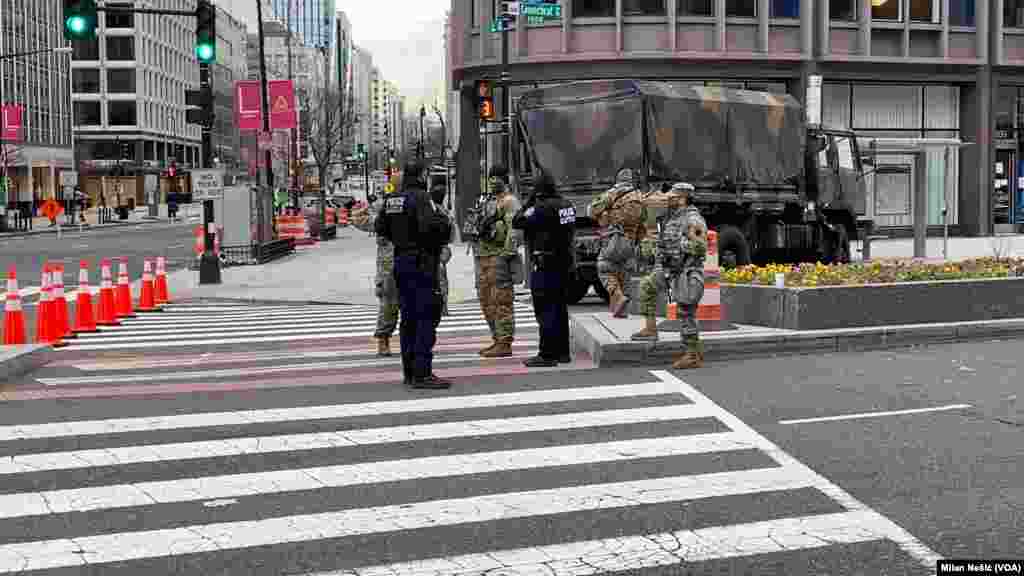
{"x": 499, "y": 350}
{"x": 484, "y": 351}
{"x": 692, "y": 358}
{"x": 384, "y": 346}
{"x": 618, "y": 304}
{"x": 649, "y": 332}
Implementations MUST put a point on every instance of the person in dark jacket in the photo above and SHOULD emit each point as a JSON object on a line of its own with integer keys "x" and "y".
{"x": 418, "y": 231}
{"x": 549, "y": 224}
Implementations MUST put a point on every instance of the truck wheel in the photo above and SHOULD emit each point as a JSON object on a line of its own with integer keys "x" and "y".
{"x": 600, "y": 291}
{"x": 733, "y": 249}
{"x": 578, "y": 290}
{"x": 841, "y": 251}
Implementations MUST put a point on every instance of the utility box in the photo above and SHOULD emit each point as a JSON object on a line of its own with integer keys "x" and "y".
{"x": 235, "y": 212}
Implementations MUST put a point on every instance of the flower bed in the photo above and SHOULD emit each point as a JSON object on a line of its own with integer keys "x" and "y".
{"x": 817, "y": 296}
{"x": 875, "y": 272}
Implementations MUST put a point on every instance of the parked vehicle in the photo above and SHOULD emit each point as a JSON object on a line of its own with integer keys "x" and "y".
{"x": 772, "y": 187}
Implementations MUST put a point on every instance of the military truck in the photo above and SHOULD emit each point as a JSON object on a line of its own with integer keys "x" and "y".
{"x": 774, "y": 189}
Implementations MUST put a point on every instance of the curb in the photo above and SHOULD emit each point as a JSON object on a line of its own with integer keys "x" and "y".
{"x": 65, "y": 229}
{"x": 606, "y": 349}
{"x": 19, "y": 360}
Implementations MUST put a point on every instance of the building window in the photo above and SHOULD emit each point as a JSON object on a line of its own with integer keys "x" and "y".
{"x": 1013, "y": 13}
{"x": 120, "y": 19}
{"x": 785, "y": 9}
{"x": 87, "y": 114}
{"x": 120, "y": 48}
{"x": 121, "y": 80}
{"x": 593, "y": 8}
{"x": 696, "y": 8}
{"x": 924, "y": 10}
{"x": 86, "y": 49}
{"x": 121, "y": 113}
{"x": 887, "y": 10}
{"x": 86, "y": 80}
{"x": 741, "y": 8}
{"x": 962, "y": 13}
{"x": 644, "y": 8}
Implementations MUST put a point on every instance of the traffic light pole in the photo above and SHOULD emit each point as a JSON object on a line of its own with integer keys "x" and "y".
{"x": 209, "y": 264}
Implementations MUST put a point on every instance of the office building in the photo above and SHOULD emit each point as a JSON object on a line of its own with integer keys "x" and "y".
{"x": 891, "y": 68}
{"x": 40, "y": 84}
{"x": 311, "y": 20}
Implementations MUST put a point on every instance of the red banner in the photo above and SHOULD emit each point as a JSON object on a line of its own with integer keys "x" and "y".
{"x": 12, "y": 122}
{"x": 282, "y": 104}
{"x": 248, "y": 108}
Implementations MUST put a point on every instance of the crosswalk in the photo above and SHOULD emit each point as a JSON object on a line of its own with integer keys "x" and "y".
{"x": 567, "y": 474}
{"x": 191, "y": 326}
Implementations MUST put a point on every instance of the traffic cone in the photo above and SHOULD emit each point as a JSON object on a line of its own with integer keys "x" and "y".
{"x": 84, "y": 319}
{"x": 124, "y": 291}
{"x": 47, "y": 330}
{"x": 163, "y": 296}
{"x": 108, "y": 308}
{"x": 61, "y": 318}
{"x": 14, "y": 316}
{"x": 146, "y": 296}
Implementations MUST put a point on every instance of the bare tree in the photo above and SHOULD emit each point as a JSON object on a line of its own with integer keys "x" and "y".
{"x": 328, "y": 124}
{"x": 10, "y": 156}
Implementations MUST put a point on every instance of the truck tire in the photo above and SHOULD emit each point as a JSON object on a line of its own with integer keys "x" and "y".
{"x": 841, "y": 250}
{"x": 600, "y": 291}
{"x": 733, "y": 249}
{"x": 578, "y": 290}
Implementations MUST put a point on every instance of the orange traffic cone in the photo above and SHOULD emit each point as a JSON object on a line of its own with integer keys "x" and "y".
{"x": 14, "y": 316}
{"x": 163, "y": 296}
{"x": 84, "y": 319}
{"x": 108, "y": 308}
{"x": 124, "y": 291}
{"x": 62, "y": 320}
{"x": 146, "y": 295}
{"x": 47, "y": 330}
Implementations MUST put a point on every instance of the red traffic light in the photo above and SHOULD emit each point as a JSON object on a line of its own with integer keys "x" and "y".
{"x": 487, "y": 109}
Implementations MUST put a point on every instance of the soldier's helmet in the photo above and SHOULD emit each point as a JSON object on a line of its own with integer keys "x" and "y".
{"x": 625, "y": 176}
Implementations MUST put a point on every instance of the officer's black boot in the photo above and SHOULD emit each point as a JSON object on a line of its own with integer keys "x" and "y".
{"x": 407, "y": 369}
{"x": 539, "y": 361}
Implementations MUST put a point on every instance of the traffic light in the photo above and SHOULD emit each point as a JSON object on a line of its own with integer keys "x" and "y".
{"x": 206, "y": 33}
{"x": 200, "y": 106}
{"x": 485, "y": 93}
{"x": 362, "y": 151}
{"x": 126, "y": 151}
{"x": 79, "y": 19}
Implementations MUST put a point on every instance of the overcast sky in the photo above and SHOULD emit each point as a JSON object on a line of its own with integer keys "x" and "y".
{"x": 404, "y": 36}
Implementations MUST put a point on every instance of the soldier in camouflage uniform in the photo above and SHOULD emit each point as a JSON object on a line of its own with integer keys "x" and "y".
{"x": 364, "y": 218}
{"x": 619, "y": 211}
{"x": 679, "y": 265}
{"x": 496, "y": 251}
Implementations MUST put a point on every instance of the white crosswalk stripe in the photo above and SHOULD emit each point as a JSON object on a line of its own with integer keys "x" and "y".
{"x": 181, "y": 326}
{"x": 469, "y": 483}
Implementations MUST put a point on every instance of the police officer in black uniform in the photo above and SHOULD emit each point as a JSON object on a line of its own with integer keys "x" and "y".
{"x": 417, "y": 230}
{"x": 549, "y": 224}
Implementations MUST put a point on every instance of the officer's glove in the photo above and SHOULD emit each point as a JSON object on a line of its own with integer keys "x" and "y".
{"x": 379, "y": 289}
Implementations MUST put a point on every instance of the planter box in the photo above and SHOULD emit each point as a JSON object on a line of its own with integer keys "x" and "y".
{"x": 826, "y": 307}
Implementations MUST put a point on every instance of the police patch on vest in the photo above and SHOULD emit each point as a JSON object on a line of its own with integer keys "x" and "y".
{"x": 566, "y": 215}
{"x": 395, "y": 205}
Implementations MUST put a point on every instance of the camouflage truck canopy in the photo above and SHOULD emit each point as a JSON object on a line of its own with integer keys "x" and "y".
{"x": 584, "y": 132}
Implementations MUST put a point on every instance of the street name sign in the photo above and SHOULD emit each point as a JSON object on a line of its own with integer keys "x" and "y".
{"x": 542, "y": 10}
{"x": 207, "y": 184}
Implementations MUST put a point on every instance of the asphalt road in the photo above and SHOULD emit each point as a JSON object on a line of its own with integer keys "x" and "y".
{"x": 950, "y": 476}
{"x": 235, "y": 439}
{"x": 27, "y": 254}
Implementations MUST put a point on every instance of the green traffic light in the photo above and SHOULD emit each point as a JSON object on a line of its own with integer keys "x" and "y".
{"x": 204, "y": 52}
{"x": 76, "y": 25}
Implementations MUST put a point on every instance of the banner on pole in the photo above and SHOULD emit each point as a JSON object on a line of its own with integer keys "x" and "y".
{"x": 12, "y": 122}
{"x": 248, "y": 105}
{"x": 282, "y": 104}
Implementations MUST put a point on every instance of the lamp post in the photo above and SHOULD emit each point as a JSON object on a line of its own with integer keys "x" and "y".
{"x": 423, "y": 114}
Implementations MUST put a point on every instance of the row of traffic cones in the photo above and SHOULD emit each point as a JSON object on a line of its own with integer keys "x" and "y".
{"x": 52, "y": 317}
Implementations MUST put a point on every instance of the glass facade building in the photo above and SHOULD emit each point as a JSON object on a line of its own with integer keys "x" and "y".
{"x": 312, "y": 20}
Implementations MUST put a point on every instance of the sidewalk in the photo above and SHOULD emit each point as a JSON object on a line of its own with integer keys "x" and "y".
{"x": 959, "y": 248}
{"x": 41, "y": 224}
{"x": 340, "y": 271}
